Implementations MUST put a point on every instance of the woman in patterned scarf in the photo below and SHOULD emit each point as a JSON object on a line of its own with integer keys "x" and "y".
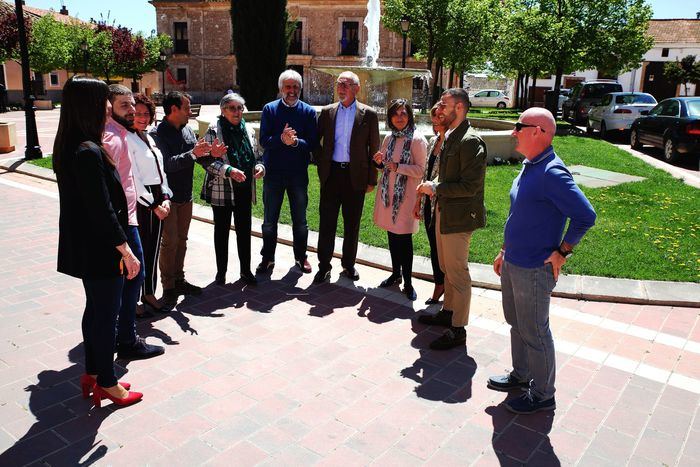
{"x": 402, "y": 161}
{"x": 229, "y": 184}
{"x": 425, "y": 205}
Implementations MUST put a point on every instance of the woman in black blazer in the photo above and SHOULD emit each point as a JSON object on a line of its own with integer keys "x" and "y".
{"x": 91, "y": 241}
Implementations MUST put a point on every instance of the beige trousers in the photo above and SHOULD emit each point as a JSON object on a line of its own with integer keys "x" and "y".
{"x": 174, "y": 244}
{"x": 453, "y": 256}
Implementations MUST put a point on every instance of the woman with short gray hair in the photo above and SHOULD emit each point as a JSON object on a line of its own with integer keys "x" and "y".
{"x": 229, "y": 184}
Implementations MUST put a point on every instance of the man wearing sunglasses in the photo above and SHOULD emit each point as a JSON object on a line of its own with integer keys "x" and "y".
{"x": 460, "y": 210}
{"x": 543, "y": 196}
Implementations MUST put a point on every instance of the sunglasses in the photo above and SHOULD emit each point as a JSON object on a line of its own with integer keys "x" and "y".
{"x": 519, "y": 126}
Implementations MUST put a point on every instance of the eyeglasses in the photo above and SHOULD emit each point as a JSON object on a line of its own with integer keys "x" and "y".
{"x": 345, "y": 85}
{"x": 234, "y": 108}
{"x": 519, "y": 126}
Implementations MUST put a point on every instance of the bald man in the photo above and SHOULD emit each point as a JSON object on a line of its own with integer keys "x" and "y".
{"x": 543, "y": 196}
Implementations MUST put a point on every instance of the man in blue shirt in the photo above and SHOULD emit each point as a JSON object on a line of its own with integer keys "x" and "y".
{"x": 349, "y": 135}
{"x": 542, "y": 198}
{"x": 288, "y": 134}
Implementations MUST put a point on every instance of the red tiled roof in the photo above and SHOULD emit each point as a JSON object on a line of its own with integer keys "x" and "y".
{"x": 675, "y": 30}
{"x": 35, "y": 13}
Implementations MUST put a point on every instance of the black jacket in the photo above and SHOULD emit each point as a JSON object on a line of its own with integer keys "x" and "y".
{"x": 176, "y": 146}
{"x": 93, "y": 217}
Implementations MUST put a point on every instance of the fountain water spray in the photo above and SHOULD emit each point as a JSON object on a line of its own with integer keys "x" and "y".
{"x": 372, "y": 24}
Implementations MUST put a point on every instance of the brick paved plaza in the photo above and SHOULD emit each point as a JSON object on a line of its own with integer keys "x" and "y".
{"x": 287, "y": 373}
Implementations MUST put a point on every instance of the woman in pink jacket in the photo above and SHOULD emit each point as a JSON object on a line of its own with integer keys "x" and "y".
{"x": 402, "y": 161}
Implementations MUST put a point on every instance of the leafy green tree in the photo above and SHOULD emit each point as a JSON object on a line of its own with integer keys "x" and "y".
{"x": 102, "y": 62}
{"x": 472, "y": 29}
{"x": 79, "y": 33}
{"x": 519, "y": 52}
{"x": 49, "y": 48}
{"x": 609, "y": 35}
{"x": 153, "y": 46}
{"x": 685, "y": 71}
{"x": 261, "y": 38}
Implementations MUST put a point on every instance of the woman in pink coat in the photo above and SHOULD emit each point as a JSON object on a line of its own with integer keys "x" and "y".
{"x": 402, "y": 161}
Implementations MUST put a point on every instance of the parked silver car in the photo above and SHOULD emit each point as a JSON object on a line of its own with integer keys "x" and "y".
{"x": 489, "y": 98}
{"x": 617, "y": 110}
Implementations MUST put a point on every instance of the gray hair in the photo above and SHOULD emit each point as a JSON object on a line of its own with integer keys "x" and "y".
{"x": 289, "y": 74}
{"x": 231, "y": 97}
{"x": 349, "y": 74}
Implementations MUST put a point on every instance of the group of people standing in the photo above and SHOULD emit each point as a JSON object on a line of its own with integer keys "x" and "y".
{"x": 134, "y": 186}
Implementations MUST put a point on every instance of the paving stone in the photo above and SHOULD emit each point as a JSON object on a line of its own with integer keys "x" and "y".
{"x": 337, "y": 374}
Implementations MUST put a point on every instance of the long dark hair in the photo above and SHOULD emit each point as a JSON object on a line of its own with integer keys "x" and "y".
{"x": 83, "y": 117}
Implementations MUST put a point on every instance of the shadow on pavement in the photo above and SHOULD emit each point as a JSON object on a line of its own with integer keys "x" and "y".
{"x": 441, "y": 375}
{"x": 522, "y": 439}
{"x": 73, "y": 419}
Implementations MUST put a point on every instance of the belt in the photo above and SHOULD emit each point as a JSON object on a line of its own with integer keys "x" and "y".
{"x": 341, "y": 165}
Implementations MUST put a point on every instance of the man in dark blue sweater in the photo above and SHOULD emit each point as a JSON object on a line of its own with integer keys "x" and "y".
{"x": 288, "y": 135}
{"x": 542, "y": 198}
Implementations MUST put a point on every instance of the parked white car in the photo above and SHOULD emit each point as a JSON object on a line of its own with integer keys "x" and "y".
{"x": 489, "y": 98}
{"x": 617, "y": 110}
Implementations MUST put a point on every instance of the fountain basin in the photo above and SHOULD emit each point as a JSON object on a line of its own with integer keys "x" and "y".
{"x": 495, "y": 133}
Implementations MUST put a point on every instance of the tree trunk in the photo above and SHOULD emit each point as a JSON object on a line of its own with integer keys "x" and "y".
{"x": 461, "y": 79}
{"x": 516, "y": 91}
{"x": 436, "y": 86}
{"x": 452, "y": 76}
{"x": 534, "y": 89}
{"x": 526, "y": 88}
{"x": 557, "y": 86}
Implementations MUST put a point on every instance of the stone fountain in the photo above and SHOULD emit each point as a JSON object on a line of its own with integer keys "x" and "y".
{"x": 391, "y": 83}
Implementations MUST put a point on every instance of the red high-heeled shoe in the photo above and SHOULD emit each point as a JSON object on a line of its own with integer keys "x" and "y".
{"x": 87, "y": 383}
{"x": 99, "y": 393}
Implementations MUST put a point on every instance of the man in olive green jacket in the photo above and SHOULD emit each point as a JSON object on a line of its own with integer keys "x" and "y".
{"x": 459, "y": 188}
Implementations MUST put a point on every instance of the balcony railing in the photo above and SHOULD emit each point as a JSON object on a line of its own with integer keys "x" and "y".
{"x": 297, "y": 47}
{"x": 182, "y": 46}
{"x": 349, "y": 47}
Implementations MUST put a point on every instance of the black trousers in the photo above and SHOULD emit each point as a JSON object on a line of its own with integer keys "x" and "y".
{"x": 438, "y": 275}
{"x": 150, "y": 232}
{"x": 103, "y": 299}
{"x": 242, "y": 218}
{"x": 401, "y": 250}
{"x": 336, "y": 194}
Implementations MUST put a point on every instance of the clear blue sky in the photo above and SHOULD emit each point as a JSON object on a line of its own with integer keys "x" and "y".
{"x": 140, "y": 15}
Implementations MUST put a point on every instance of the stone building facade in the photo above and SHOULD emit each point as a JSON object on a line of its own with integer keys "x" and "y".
{"x": 328, "y": 33}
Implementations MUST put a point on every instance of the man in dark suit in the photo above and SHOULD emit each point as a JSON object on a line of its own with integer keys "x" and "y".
{"x": 460, "y": 210}
{"x": 349, "y": 136}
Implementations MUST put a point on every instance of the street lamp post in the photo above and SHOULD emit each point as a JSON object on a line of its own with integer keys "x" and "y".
{"x": 405, "y": 26}
{"x": 32, "y": 150}
{"x": 163, "y": 57}
{"x": 84, "y": 48}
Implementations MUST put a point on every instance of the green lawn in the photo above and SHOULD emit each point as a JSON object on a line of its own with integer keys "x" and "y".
{"x": 645, "y": 230}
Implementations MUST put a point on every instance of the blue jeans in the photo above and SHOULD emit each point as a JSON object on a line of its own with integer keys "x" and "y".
{"x": 274, "y": 186}
{"x": 126, "y": 328}
{"x": 526, "y": 293}
{"x": 103, "y": 299}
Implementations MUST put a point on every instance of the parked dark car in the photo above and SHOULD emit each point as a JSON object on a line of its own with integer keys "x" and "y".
{"x": 583, "y": 96}
{"x": 674, "y": 125}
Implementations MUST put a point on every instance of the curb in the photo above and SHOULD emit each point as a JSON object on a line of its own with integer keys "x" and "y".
{"x": 591, "y": 288}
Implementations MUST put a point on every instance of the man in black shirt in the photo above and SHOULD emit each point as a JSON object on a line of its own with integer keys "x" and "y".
{"x": 180, "y": 148}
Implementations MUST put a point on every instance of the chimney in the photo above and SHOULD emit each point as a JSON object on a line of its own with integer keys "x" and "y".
{"x": 697, "y": 15}
{"x": 64, "y": 10}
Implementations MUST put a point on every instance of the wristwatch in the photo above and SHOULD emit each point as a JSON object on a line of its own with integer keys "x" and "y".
{"x": 564, "y": 253}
